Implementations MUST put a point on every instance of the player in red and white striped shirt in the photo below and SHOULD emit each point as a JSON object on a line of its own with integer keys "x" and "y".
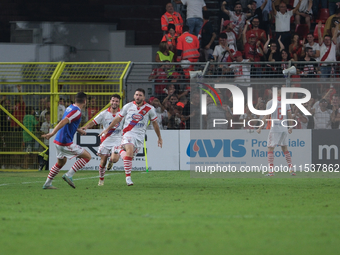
{"x": 278, "y": 133}
{"x": 137, "y": 115}
{"x": 110, "y": 143}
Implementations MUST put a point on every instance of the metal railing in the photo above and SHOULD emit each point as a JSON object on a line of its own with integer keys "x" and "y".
{"x": 30, "y": 90}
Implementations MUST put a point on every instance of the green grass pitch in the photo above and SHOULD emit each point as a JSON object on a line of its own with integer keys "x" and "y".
{"x": 168, "y": 213}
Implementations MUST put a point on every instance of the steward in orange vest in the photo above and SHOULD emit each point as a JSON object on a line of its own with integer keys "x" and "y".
{"x": 172, "y": 17}
{"x": 188, "y": 49}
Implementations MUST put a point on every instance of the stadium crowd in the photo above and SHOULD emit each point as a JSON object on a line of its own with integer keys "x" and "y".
{"x": 272, "y": 34}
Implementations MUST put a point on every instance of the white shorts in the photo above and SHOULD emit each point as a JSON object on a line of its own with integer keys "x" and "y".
{"x": 69, "y": 152}
{"x": 277, "y": 138}
{"x": 108, "y": 147}
{"x": 137, "y": 144}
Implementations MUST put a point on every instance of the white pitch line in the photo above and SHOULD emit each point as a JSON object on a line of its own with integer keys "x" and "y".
{"x": 85, "y": 178}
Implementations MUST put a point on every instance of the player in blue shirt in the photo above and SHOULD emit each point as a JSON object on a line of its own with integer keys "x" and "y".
{"x": 65, "y": 131}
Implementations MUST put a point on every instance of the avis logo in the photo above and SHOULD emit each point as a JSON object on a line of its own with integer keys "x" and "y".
{"x": 211, "y": 148}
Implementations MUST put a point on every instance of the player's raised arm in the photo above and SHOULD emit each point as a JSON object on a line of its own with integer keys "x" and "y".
{"x": 158, "y": 133}
{"x": 57, "y": 128}
{"x": 113, "y": 123}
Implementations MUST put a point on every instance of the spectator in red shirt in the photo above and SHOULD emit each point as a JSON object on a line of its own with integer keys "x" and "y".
{"x": 253, "y": 52}
{"x": 295, "y": 48}
{"x": 162, "y": 76}
{"x": 260, "y": 33}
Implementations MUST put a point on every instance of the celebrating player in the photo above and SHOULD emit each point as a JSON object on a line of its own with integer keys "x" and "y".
{"x": 109, "y": 143}
{"x": 65, "y": 131}
{"x": 137, "y": 115}
{"x": 278, "y": 134}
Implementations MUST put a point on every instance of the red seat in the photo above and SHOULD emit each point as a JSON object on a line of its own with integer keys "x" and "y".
{"x": 323, "y": 16}
{"x": 302, "y": 30}
{"x": 316, "y": 32}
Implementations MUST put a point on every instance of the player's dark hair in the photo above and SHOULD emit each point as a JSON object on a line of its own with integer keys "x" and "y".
{"x": 310, "y": 34}
{"x": 80, "y": 98}
{"x": 47, "y": 113}
{"x": 116, "y": 96}
{"x": 141, "y": 90}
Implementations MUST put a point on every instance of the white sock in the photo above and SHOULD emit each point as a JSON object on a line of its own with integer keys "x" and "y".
{"x": 70, "y": 173}
{"x": 48, "y": 182}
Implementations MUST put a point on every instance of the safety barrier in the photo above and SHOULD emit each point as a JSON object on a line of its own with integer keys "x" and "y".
{"x": 29, "y": 90}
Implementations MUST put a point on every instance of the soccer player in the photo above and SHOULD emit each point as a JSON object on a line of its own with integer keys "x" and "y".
{"x": 109, "y": 143}
{"x": 137, "y": 115}
{"x": 65, "y": 131}
{"x": 278, "y": 134}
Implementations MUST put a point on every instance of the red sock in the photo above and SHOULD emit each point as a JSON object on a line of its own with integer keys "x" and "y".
{"x": 271, "y": 161}
{"x": 54, "y": 171}
{"x": 127, "y": 165}
{"x": 101, "y": 172}
{"x": 122, "y": 154}
{"x": 79, "y": 164}
{"x": 288, "y": 159}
